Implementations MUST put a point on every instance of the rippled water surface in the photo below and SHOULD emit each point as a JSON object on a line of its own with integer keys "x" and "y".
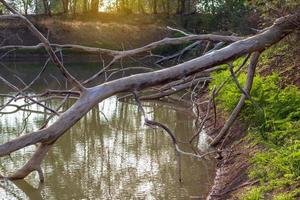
{"x": 108, "y": 154}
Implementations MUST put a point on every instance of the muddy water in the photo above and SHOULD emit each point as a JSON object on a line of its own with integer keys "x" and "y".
{"x": 109, "y": 154}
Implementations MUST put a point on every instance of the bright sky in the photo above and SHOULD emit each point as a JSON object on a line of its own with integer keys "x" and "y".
{"x": 106, "y": 4}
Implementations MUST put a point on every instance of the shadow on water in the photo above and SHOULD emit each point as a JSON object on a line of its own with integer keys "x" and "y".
{"x": 108, "y": 154}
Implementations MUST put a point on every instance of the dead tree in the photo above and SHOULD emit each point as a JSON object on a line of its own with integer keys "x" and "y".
{"x": 88, "y": 97}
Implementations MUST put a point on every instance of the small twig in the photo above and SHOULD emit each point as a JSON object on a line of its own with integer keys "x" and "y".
{"x": 177, "y": 30}
{"x": 19, "y": 91}
{"x": 152, "y": 123}
{"x": 236, "y": 72}
{"x": 205, "y": 118}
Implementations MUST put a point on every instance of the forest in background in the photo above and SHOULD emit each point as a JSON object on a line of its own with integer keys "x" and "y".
{"x": 198, "y": 16}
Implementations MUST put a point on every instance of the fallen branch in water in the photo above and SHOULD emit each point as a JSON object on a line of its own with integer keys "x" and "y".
{"x": 200, "y": 129}
{"x": 178, "y": 151}
{"x": 89, "y": 97}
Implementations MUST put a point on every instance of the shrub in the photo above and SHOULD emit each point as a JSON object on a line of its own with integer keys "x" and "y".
{"x": 274, "y": 121}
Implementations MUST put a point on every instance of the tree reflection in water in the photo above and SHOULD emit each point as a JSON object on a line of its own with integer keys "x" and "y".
{"x": 108, "y": 154}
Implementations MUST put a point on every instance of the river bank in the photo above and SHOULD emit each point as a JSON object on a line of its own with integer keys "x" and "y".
{"x": 260, "y": 158}
{"x": 103, "y": 33}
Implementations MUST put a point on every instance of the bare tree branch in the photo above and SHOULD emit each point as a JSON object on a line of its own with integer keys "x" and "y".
{"x": 238, "y": 108}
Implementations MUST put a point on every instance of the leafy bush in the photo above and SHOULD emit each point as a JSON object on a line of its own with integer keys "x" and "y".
{"x": 270, "y": 9}
{"x": 274, "y": 122}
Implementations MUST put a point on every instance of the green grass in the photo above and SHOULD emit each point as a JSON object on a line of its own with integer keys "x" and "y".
{"x": 254, "y": 194}
{"x": 274, "y": 123}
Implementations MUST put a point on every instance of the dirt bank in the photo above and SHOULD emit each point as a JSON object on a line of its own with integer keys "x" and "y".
{"x": 232, "y": 160}
{"x": 231, "y": 173}
{"x": 110, "y": 34}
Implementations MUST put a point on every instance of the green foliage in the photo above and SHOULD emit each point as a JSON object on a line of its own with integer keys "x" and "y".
{"x": 274, "y": 122}
{"x": 219, "y": 15}
{"x": 284, "y": 197}
{"x": 270, "y": 9}
{"x": 253, "y": 194}
{"x": 232, "y": 15}
{"x": 279, "y": 165}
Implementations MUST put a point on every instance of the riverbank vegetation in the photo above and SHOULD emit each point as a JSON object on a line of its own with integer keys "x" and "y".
{"x": 274, "y": 124}
{"x": 272, "y": 116}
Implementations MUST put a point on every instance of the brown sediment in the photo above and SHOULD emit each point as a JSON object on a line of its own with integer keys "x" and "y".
{"x": 232, "y": 167}
{"x": 232, "y": 161}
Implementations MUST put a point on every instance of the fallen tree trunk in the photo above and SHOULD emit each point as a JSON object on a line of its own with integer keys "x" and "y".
{"x": 89, "y": 97}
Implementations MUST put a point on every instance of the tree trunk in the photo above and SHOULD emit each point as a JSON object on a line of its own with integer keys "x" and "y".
{"x": 178, "y": 8}
{"x": 47, "y": 10}
{"x": 188, "y": 7}
{"x": 154, "y": 6}
{"x": 95, "y": 6}
{"x": 74, "y": 7}
{"x": 168, "y": 7}
{"x": 36, "y": 6}
{"x": 25, "y": 6}
{"x": 85, "y": 6}
{"x": 140, "y": 7}
{"x": 65, "y": 6}
{"x": 182, "y": 7}
{"x": 94, "y": 95}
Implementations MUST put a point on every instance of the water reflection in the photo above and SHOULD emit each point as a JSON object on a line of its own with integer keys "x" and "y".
{"x": 108, "y": 154}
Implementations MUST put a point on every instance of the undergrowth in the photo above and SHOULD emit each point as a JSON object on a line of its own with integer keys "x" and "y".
{"x": 274, "y": 124}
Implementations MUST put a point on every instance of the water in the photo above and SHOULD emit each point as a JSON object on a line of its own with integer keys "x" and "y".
{"x": 108, "y": 154}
